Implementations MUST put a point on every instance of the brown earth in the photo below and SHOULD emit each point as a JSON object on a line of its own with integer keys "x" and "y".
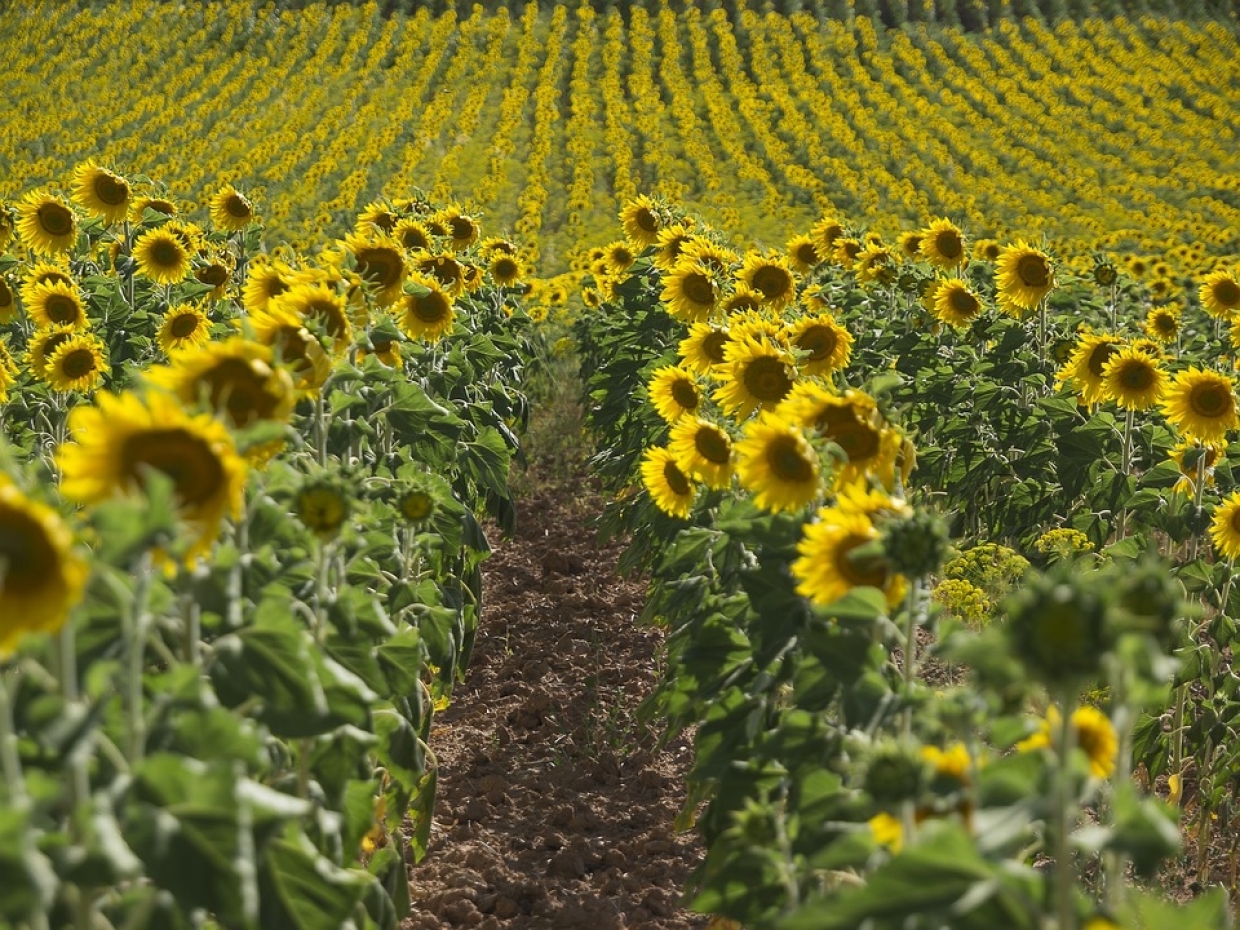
{"x": 556, "y": 804}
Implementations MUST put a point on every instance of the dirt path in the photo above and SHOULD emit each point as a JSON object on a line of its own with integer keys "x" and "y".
{"x": 555, "y": 807}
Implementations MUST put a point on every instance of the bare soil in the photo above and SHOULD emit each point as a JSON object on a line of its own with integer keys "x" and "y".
{"x": 556, "y": 804}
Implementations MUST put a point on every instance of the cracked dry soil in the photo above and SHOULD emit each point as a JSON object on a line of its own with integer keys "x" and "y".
{"x": 555, "y": 804}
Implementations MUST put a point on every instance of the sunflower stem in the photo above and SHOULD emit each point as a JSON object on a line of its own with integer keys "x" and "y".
{"x": 912, "y": 606}
{"x": 138, "y": 622}
{"x": 320, "y": 427}
{"x": 1121, "y": 529}
{"x": 15, "y": 784}
{"x": 191, "y": 615}
{"x": 67, "y": 677}
{"x": 1115, "y": 861}
{"x": 1065, "y": 882}
{"x": 1226, "y": 595}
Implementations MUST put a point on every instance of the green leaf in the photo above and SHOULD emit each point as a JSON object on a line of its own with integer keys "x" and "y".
{"x": 27, "y": 881}
{"x": 301, "y": 890}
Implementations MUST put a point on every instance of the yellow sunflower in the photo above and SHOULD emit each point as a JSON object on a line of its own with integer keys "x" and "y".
{"x": 771, "y": 277}
{"x": 294, "y": 345}
{"x": 1202, "y": 405}
{"x": 853, "y": 422}
{"x": 910, "y": 244}
{"x": 1086, "y": 366}
{"x": 875, "y": 263}
{"x": 1194, "y": 459}
{"x": 462, "y": 228}
{"x": 836, "y": 554}
{"x": 756, "y": 374}
{"x": 670, "y": 488}
{"x": 642, "y": 219}
{"x": 77, "y": 364}
{"x": 184, "y": 327}
{"x": 703, "y": 450}
{"x": 41, "y": 577}
{"x": 8, "y": 225}
{"x": 46, "y": 223}
{"x": 741, "y": 300}
{"x": 162, "y": 256}
{"x": 41, "y": 346}
{"x": 1163, "y": 324}
{"x": 236, "y": 379}
{"x": 56, "y": 304}
{"x": 266, "y": 279}
{"x": 159, "y": 205}
{"x": 777, "y": 464}
{"x": 505, "y": 269}
{"x": 671, "y": 244}
{"x": 674, "y": 393}
{"x": 825, "y": 233}
{"x": 101, "y": 193}
{"x": 846, "y": 250}
{"x": 1220, "y": 294}
{"x": 987, "y": 250}
{"x": 1024, "y": 276}
{"x": 942, "y": 244}
{"x": 215, "y": 272}
{"x": 1093, "y": 735}
{"x": 702, "y": 349}
{"x": 323, "y": 304}
{"x": 412, "y": 235}
{"x": 231, "y": 210}
{"x": 955, "y": 303}
{"x": 450, "y": 273}
{"x": 1225, "y": 527}
{"x": 8, "y": 371}
{"x": 691, "y": 293}
{"x": 827, "y": 344}
{"x": 427, "y": 315}
{"x": 386, "y": 350}
{"x": 377, "y": 213}
{"x": 803, "y": 254}
{"x": 1133, "y": 380}
{"x": 8, "y": 301}
{"x": 380, "y": 262}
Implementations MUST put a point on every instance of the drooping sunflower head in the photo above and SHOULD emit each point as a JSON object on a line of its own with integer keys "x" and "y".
{"x": 803, "y": 254}
{"x": 1163, "y": 324}
{"x": 56, "y": 304}
{"x": 669, "y": 487}
{"x": 41, "y": 576}
{"x": 776, "y": 463}
{"x": 77, "y": 364}
{"x": 162, "y": 256}
{"x": 674, "y": 393}
{"x": 757, "y": 373}
{"x": 702, "y": 450}
{"x": 321, "y": 305}
{"x": 1133, "y": 380}
{"x": 46, "y": 223}
{"x": 1220, "y": 294}
{"x": 769, "y": 276}
{"x": 1086, "y": 367}
{"x": 956, "y": 304}
{"x": 1025, "y": 275}
{"x": 124, "y": 438}
{"x": 427, "y": 313}
{"x": 101, "y": 192}
{"x": 702, "y": 349}
{"x": 642, "y": 218}
{"x": 942, "y": 244}
{"x": 231, "y": 210}
{"x": 827, "y": 345}
{"x": 1202, "y": 405}
{"x": 184, "y": 326}
{"x": 691, "y": 292}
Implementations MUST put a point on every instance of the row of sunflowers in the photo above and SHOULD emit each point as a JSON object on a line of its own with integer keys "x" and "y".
{"x": 240, "y": 548}
{"x": 942, "y": 531}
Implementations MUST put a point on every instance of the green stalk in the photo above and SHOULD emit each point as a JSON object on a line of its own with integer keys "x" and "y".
{"x": 15, "y": 782}
{"x": 1121, "y": 529}
{"x": 139, "y": 619}
{"x": 1065, "y": 881}
{"x": 912, "y": 605}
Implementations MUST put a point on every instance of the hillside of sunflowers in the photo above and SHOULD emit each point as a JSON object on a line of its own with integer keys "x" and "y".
{"x": 905, "y": 336}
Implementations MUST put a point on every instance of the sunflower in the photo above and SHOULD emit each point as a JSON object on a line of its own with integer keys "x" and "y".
{"x": 1093, "y": 734}
{"x": 505, "y": 269}
{"x": 827, "y": 344}
{"x": 846, "y": 251}
{"x": 803, "y": 254}
{"x": 462, "y": 228}
{"x": 427, "y": 315}
{"x": 942, "y": 244}
{"x": 450, "y": 273}
{"x": 702, "y": 349}
{"x": 771, "y": 277}
{"x": 1133, "y": 380}
{"x": 77, "y": 364}
{"x": 910, "y": 244}
{"x": 674, "y": 393}
{"x": 1220, "y": 294}
{"x": 1163, "y": 324}
{"x": 1104, "y": 272}
{"x": 191, "y": 235}
{"x": 670, "y": 488}
{"x": 8, "y": 226}
{"x": 1202, "y": 405}
{"x": 717, "y": 258}
{"x": 41, "y": 577}
{"x": 671, "y": 244}
{"x": 184, "y": 327}
{"x": 285, "y": 331}
{"x": 125, "y": 437}
{"x": 1086, "y": 366}
{"x": 642, "y": 220}
{"x": 756, "y": 373}
{"x": 412, "y": 235}
{"x": 236, "y": 379}
{"x": 56, "y": 304}
{"x": 853, "y": 423}
{"x": 8, "y": 371}
{"x": 1024, "y": 276}
{"x": 41, "y": 346}
{"x": 775, "y": 461}
{"x": 323, "y": 304}
{"x": 825, "y": 233}
{"x": 215, "y": 273}
{"x": 416, "y": 505}
{"x": 741, "y": 300}
{"x": 618, "y": 257}
{"x": 101, "y": 193}
{"x": 266, "y": 279}
{"x": 231, "y": 210}
{"x": 46, "y": 223}
{"x": 955, "y": 303}
{"x": 1225, "y": 527}
{"x": 158, "y": 205}
{"x": 385, "y": 349}
{"x": 162, "y": 256}
{"x": 875, "y": 263}
{"x": 1195, "y": 459}
{"x": 380, "y": 262}
{"x": 8, "y": 301}
{"x": 836, "y": 554}
{"x": 703, "y": 450}
{"x": 379, "y": 214}
{"x": 987, "y": 250}
{"x": 322, "y": 507}
{"x": 497, "y": 245}
{"x": 691, "y": 293}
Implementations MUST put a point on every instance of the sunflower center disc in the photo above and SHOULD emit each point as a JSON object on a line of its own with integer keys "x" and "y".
{"x": 766, "y": 379}
{"x": 430, "y": 309}
{"x": 788, "y": 461}
{"x": 188, "y": 460}
{"x": 1032, "y": 271}
{"x": 685, "y": 394}
{"x": 62, "y": 309}
{"x": 78, "y": 364}
{"x": 1227, "y": 293}
{"x": 184, "y": 325}
{"x": 698, "y": 288}
{"x": 870, "y": 571}
{"x": 712, "y": 346}
{"x": 237, "y": 206}
{"x": 819, "y": 342}
{"x": 712, "y": 446}
{"x": 55, "y": 219}
{"x": 1209, "y": 401}
{"x": 26, "y": 555}
{"x": 771, "y": 281}
{"x": 166, "y": 253}
{"x": 111, "y": 190}
{"x": 676, "y": 479}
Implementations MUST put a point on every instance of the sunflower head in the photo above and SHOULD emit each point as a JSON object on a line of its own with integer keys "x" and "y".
{"x": 56, "y": 304}
{"x": 955, "y": 303}
{"x": 46, "y": 223}
{"x": 803, "y": 253}
{"x": 1133, "y": 380}
{"x": 378, "y": 214}
{"x": 642, "y": 218}
{"x": 162, "y": 256}
{"x": 778, "y": 465}
{"x": 294, "y": 345}
{"x": 702, "y": 349}
{"x": 674, "y": 393}
{"x": 1202, "y": 405}
{"x": 1025, "y": 275}
{"x": 160, "y": 205}
{"x": 825, "y": 232}
{"x": 381, "y": 264}
{"x": 909, "y": 244}
{"x": 757, "y": 373}
{"x": 42, "y": 345}
{"x": 505, "y": 269}
{"x": 669, "y": 487}
{"x": 444, "y": 268}
{"x": 702, "y": 450}
{"x": 184, "y": 326}
{"x": 266, "y": 279}
{"x": 8, "y": 301}
{"x": 322, "y": 507}
{"x": 1086, "y": 366}
{"x": 320, "y": 304}
{"x": 827, "y": 345}
{"x": 462, "y": 228}
{"x": 412, "y": 235}
{"x": 691, "y": 292}
{"x": 671, "y": 244}
{"x": 769, "y": 276}
{"x": 942, "y": 244}
{"x": 77, "y": 364}
{"x": 426, "y": 312}
{"x": 1163, "y": 324}
{"x": 231, "y": 210}
{"x": 101, "y": 193}
{"x": 1220, "y": 294}
{"x": 1058, "y": 626}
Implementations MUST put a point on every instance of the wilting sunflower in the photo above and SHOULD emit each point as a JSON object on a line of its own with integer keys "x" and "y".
{"x": 955, "y": 303}
{"x": 1220, "y": 294}
{"x": 295, "y": 346}
{"x": 691, "y": 293}
{"x": 1086, "y": 366}
{"x": 1225, "y": 527}
{"x": 162, "y": 256}
{"x": 322, "y": 507}
{"x": 942, "y": 244}
{"x": 412, "y": 235}
{"x": 323, "y": 304}
{"x": 827, "y": 344}
{"x": 8, "y": 301}
{"x": 184, "y": 327}
{"x": 1133, "y": 380}
{"x": 702, "y": 349}
{"x": 852, "y": 421}
{"x": 237, "y": 379}
{"x": 670, "y": 488}
{"x": 1202, "y": 405}
{"x": 505, "y": 269}
{"x": 674, "y": 393}
{"x": 836, "y": 554}
{"x": 1163, "y": 324}
{"x": 756, "y": 373}
{"x": 428, "y": 314}
{"x": 1024, "y": 276}
{"x": 215, "y": 272}
{"x": 56, "y": 304}
{"x": 41, "y": 577}
{"x": 266, "y": 279}
{"x": 703, "y": 450}
{"x": 41, "y": 346}
{"x": 803, "y": 254}
{"x": 775, "y": 461}
{"x": 642, "y": 219}
{"x": 771, "y": 277}
{"x": 1195, "y": 460}
{"x": 46, "y": 223}
{"x": 231, "y": 210}
{"x": 910, "y": 244}
{"x": 77, "y": 364}
{"x": 101, "y": 192}
{"x": 124, "y": 437}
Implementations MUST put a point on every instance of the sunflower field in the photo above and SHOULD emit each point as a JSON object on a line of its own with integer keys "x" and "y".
{"x": 909, "y": 335}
